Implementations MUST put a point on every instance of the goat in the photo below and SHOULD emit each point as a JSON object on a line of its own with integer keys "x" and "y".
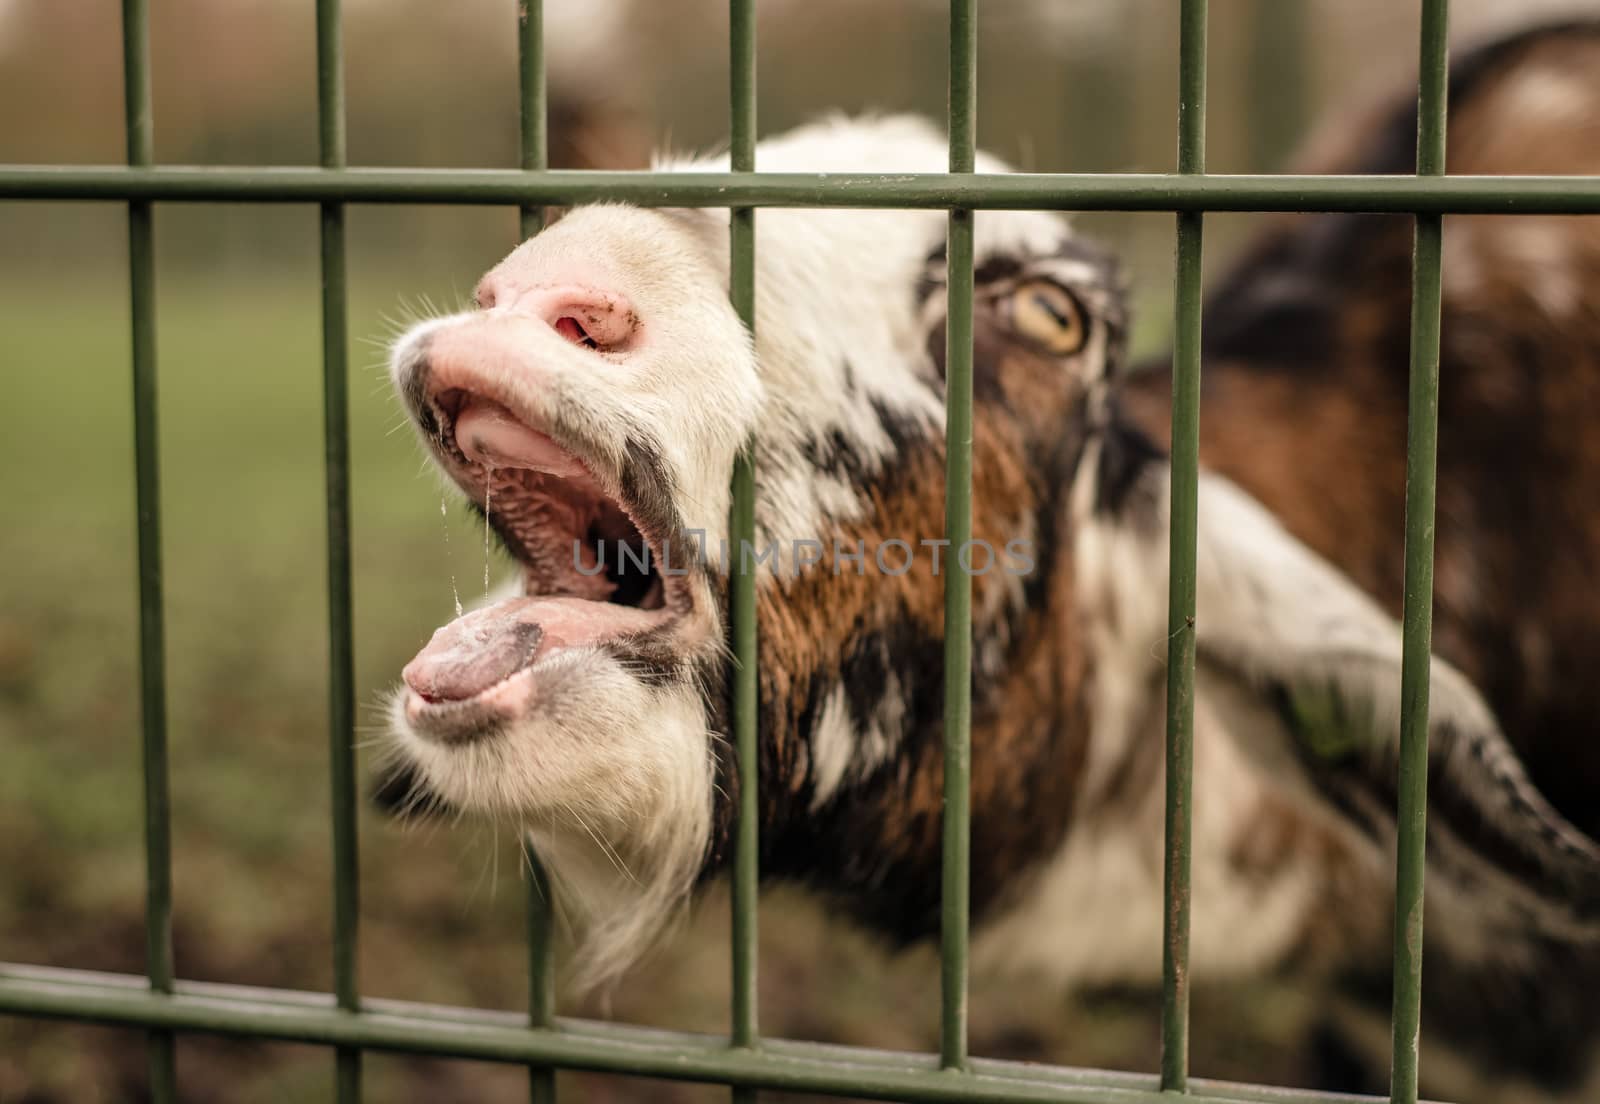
{"x": 594, "y": 403}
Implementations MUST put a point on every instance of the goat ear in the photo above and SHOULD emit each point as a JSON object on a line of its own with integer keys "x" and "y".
{"x": 1301, "y": 646}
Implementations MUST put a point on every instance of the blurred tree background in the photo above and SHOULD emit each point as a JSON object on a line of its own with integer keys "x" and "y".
{"x": 1082, "y": 86}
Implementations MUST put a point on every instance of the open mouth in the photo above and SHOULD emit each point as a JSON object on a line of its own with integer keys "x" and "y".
{"x": 592, "y": 573}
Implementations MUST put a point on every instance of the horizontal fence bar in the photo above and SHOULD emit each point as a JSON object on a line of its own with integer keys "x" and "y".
{"x": 409, "y": 1027}
{"x": 986, "y": 191}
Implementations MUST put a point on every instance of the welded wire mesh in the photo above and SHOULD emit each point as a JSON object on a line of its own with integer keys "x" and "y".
{"x": 744, "y": 1059}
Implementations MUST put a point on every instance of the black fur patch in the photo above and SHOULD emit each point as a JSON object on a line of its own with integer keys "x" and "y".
{"x": 891, "y": 887}
{"x": 1278, "y": 309}
{"x": 414, "y": 389}
{"x": 647, "y": 487}
{"x": 400, "y": 792}
{"x": 1126, "y": 455}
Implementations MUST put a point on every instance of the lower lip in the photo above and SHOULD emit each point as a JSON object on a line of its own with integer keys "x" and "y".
{"x": 510, "y": 697}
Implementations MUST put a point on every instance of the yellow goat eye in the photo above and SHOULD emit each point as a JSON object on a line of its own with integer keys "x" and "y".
{"x": 1050, "y": 316}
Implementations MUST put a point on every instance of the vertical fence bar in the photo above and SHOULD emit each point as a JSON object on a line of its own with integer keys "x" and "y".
{"x": 534, "y": 112}
{"x": 541, "y": 974}
{"x": 535, "y": 156}
{"x": 741, "y": 525}
{"x": 1417, "y": 618}
{"x": 140, "y": 125}
{"x": 1181, "y": 586}
{"x": 336, "y": 444}
{"x": 956, "y": 874}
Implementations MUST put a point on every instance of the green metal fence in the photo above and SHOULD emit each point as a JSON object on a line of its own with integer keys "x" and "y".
{"x": 744, "y": 1060}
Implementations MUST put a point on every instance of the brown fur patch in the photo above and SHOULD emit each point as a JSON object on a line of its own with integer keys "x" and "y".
{"x": 1030, "y": 728}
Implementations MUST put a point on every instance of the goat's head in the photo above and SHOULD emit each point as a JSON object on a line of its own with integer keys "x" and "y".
{"x": 595, "y": 403}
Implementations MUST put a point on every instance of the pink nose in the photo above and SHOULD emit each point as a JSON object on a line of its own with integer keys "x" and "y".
{"x": 584, "y": 315}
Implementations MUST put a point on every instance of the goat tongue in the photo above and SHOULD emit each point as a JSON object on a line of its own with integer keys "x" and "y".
{"x": 472, "y": 653}
{"x": 482, "y": 648}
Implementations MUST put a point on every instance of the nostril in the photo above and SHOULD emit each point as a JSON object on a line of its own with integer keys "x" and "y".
{"x": 571, "y": 329}
{"x": 584, "y": 315}
{"x": 588, "y": 316}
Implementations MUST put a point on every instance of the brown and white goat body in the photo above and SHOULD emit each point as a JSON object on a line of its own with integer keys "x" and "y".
{"x": 1306, "y": 362}
{"x": 596, "y": 401}
{"x": 1305, "y": 397}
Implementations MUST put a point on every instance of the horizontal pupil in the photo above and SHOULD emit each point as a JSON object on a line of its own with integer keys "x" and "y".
{"x": 1049, "y": 308}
